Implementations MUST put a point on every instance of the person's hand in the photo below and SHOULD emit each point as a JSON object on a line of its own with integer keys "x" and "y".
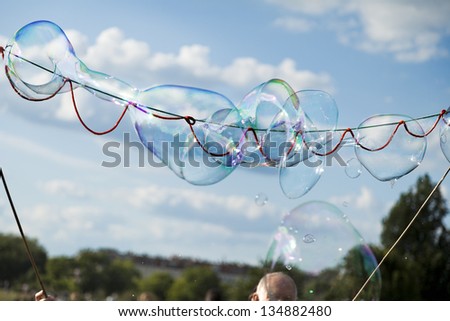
{"x": 40, "y": 296}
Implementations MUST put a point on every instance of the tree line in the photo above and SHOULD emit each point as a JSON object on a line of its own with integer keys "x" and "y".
{"x": 417, "y": 269}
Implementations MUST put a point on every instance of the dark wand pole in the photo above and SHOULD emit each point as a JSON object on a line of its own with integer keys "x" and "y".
{"x": 30, "y": 256}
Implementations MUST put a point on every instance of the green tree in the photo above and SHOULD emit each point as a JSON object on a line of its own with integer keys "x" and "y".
{"x": 242, "y": 287}
{"x": 345, "y": 280}
{"x": 120, "y": 276}
{"x": 193, "y": 284}
{"x": 103, "y": 272}
{"x": 419, "y": 266}
{"x": 91, "y": 266}
{"x": 15, "y": 265}
{"x": 157, "y": 283}
{"x": 60, "y": 274}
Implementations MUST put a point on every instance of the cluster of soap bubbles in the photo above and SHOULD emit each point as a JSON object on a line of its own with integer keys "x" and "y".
{"x": 202, "y": 136}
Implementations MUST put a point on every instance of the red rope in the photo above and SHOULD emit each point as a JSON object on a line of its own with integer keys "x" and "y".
{"x": 400, "y": 123}
{"x": 84, "y": 124}
{"x": 18, "y": 92}
{"x": 441, "y": 116}
{"x": 191, "y": 121}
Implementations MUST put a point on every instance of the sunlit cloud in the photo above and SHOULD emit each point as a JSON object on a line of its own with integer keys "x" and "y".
{"x": 365, "y": 209}
{"x": 411, "y": 31}
{"x": 113, "y": 50}
{"x": 200, "y": 201}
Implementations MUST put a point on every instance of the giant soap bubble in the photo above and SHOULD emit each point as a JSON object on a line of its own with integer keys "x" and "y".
{"x": 317, "y": 245}
{"x": 390, "y": 151}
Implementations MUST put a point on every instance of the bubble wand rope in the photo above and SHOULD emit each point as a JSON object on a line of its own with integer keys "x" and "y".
{"x": 402, "y": 234}
{"x": 30, "y": 256}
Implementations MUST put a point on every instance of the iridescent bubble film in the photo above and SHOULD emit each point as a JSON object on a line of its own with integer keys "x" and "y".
{"x": 389, "y": 151}
{"x": 202, "y": 136}
{"x": 175, "y": 142}
{"x": 317, "y": 245}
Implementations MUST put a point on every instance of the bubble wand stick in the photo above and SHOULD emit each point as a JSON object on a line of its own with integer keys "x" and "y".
{"x": 30, "y": 256}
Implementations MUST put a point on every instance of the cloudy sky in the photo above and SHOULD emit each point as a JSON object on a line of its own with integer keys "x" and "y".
{"x": 373, "y": 57}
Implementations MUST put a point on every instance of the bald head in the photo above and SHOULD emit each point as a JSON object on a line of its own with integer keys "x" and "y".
{"x": 276, "y": 286}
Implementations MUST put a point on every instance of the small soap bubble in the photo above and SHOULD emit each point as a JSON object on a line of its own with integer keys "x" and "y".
{"x": 261, "y": 199}
{"x": 353, "y": 168}
{"x": 309, "y": 238}
{"x": 393, "y": 182}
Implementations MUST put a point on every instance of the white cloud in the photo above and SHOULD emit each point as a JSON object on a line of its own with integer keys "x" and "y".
{"x": 199, "y": 201}
{"x": 167, "y": 230}
{"x": 42, "y": 220}
{"x": 246, "y": 71}
{"x": 444, "y": 191}
{"x": 294, "y": 24}
{"x": 58, "y": 187}
{"x": 82, "y": 223}
{"x": 78, "y": 40}
{"x": 112, "y": 50}
{"x": 365, "y": 211}
{"x": 151, "y": 196}
{"x": 364, "y": 200}
{"x": 412, "y": 31}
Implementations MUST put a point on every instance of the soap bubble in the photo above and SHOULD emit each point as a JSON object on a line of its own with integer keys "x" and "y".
{"x": 353, "y": 168}
{"x": 261, "y": 199}
{"x": 386, "y": 149}
{"x": 317, "y": 245}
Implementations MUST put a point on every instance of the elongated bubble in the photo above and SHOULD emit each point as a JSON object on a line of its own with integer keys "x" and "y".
{"x": 33, "y": 57}
{"x": 41, "y": 59}
{"x": 317, "y": 245}
{"x": 303, "y": 166}
{"x": 321, "y": 117}
{"x": 299, "y": 179}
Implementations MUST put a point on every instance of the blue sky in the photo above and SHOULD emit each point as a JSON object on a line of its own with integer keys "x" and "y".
{"x": 373, "y": 57}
